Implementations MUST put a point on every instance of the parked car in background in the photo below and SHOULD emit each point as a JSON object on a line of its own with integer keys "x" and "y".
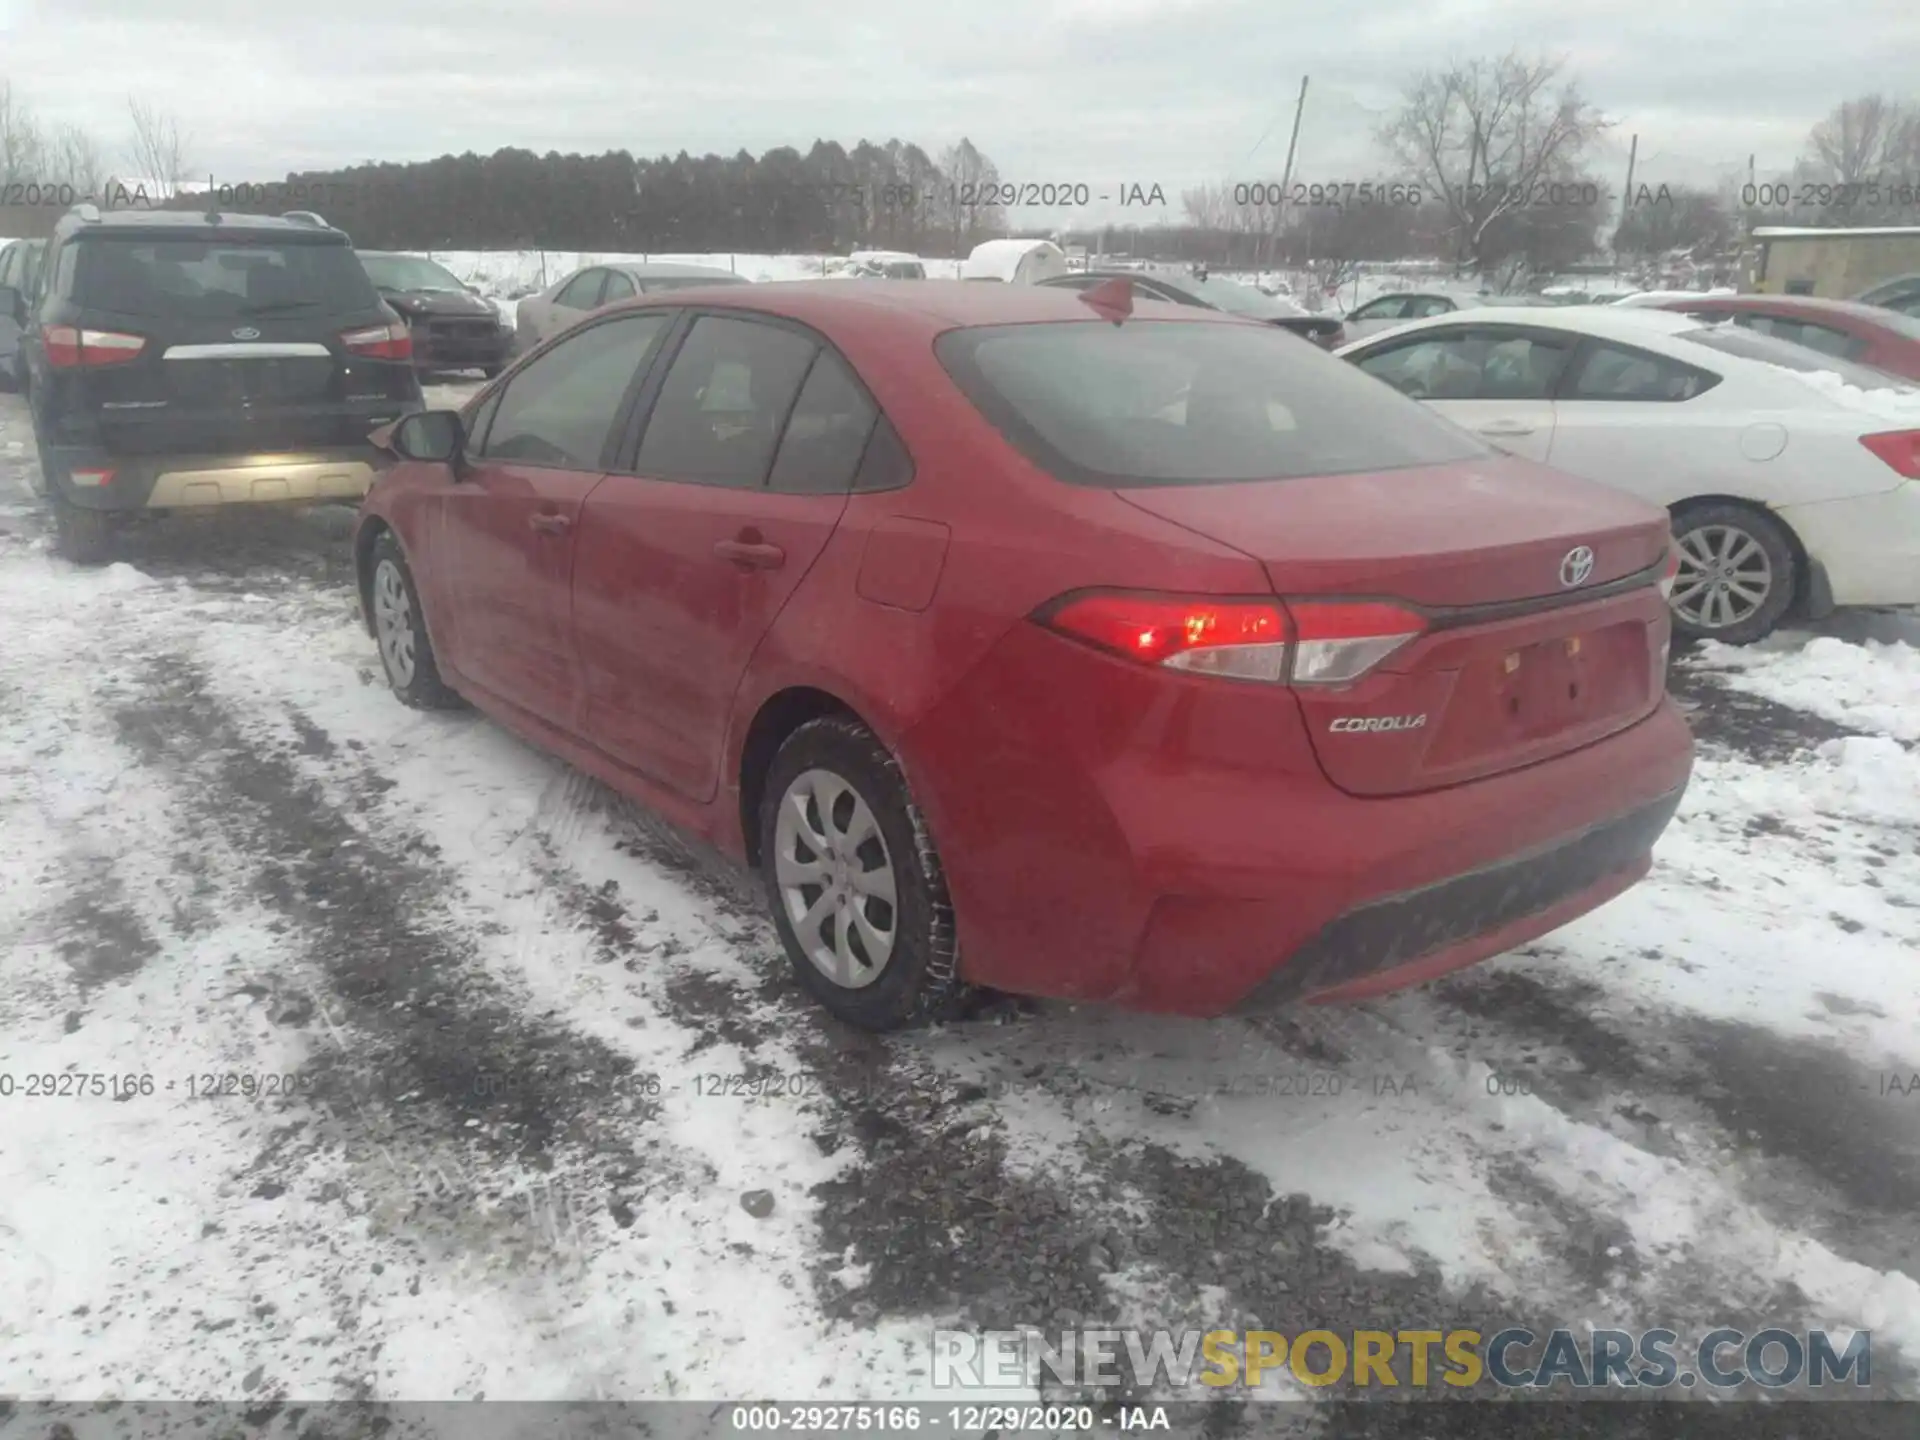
{"x": 1901, "y": 294}
{"x": 1387, "y": 311}
{"x": 1214, "y": 293}
{"x": 1864, "y": 334}
{"x": 186, "y": 360}
{"x": 19, "y": 274}
{"x": 586, "y": 290}
{"x": 1792, "y": 492}
{"x": 885, "y": 265}
{"x": 453, "y": 328}
{"x": 1031, "y": 643}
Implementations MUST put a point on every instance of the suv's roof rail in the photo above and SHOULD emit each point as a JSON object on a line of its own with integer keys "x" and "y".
{"x": 305, "y": 217}
{"x": 86, "y": 210}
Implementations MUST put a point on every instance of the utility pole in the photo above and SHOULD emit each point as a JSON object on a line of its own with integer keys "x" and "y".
{"x": 1633, "y": 154}
{"x": 1286, "y": 175}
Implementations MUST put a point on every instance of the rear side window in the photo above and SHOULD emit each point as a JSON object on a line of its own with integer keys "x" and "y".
{"x": 827, "y": 433}
{"x": 215, "y": 280}
{"x": 1482, "y": 364}
{"x": 1619, "y": 372}
{"x": 1184, "y": 403}
{"x": 619, "y": 287}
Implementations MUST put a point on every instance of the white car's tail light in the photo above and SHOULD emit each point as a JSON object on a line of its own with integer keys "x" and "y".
{"x": 1318, "y": 642}
{"x": 380, "y": 342}
{"x": 68, "y": 348}
{"x": 1899, "y": 448}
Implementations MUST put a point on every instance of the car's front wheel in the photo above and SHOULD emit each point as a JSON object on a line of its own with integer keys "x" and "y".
{"x": 399, "y": 625}
{"x": 857, "y": 890}
{"x": 1737, "y": 577}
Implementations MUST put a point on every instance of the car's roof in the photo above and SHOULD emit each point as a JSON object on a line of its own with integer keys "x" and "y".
{"x": 1809, "y": 305}
{"x": 928, "y": 305}
{"x": 1605, "y": 321}
{"x": 165, "y": 221}
{"x": 661, "y": 270}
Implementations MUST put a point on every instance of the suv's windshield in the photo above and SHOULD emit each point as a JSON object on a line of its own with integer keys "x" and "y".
{"x": 1731, "y": 340}
{"x": 142, "y": 275}
{"x": 409, "y": 272}
{"x": 1173, "y": 402}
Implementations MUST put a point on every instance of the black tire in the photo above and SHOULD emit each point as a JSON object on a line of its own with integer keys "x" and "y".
{"x": 417, "y": 681}
{"x": 1705, "y": 529}
{"x": 919, "y": 981}
{"x": 86, "y": 537}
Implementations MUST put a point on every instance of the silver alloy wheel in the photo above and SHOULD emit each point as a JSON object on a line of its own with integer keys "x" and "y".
{"x": 1725, "y": 576}
{"x": 835, "y": 876}
{"x": 393, "y": 622}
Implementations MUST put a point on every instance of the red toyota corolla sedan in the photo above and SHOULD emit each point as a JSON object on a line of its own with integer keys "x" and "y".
{"x": 1045, "y": 642}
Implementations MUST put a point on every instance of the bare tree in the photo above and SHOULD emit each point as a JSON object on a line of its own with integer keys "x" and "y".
{"x": 74, "y": 159}
{"x": 1685, "y": 218}
{"x": 971, "y": 177}
{"x": 157, "y": 151}
{"x": 1492, "y": 137}
{"x": 1868, "y": 138}
{"x": 23, "y": 148}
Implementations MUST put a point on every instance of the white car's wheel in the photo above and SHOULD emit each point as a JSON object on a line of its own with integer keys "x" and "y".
{"x": 1738, "y": 577}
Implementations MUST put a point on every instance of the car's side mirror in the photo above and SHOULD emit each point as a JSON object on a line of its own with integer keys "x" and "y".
{"x": 434, "y": 436}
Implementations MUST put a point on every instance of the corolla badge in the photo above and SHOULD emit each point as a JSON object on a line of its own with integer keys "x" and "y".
{"x": 246, "y": 332}
{"x": 1576, "y": 566}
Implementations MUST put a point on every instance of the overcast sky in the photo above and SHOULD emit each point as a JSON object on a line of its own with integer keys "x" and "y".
{"x": 1109, "y": 92}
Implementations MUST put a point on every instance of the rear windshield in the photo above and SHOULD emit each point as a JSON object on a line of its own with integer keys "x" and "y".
{"x": 409, "y": 272}
{"x": 1748, "y": 345}
{"x": 201, "y": 279}
{"x": 1179, "y": 403}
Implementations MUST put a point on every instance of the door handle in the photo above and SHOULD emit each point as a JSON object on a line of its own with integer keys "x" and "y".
{"x": 1506, "y": 427}
{"x": 751, "y": 554}
{"x": 549, "y": 524}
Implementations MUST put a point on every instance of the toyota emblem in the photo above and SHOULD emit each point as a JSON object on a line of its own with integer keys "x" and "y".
{"x": 1576, "y": 566}
{"x": 246, "y": 332}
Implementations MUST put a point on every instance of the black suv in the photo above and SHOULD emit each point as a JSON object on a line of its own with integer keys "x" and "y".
{"x": 182, "y": 360}
{"x": 453, "y": 328}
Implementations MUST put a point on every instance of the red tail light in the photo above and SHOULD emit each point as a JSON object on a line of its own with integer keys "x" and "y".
{"x": 1899, "y": 448}
{"x": 1670, "y": 571}
{"x": 68, "y": 348}
{"x": 1306, "y": 643}
{"x": 380, "y": 342}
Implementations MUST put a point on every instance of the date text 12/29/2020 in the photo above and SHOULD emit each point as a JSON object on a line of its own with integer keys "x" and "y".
{"x": 994, "y": 194}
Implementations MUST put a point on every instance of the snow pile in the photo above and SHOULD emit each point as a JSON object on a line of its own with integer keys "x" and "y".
{"x": 1902, "y": 400}
{"x": 1870, "y": 686}
{"x": 1870, "y": 776}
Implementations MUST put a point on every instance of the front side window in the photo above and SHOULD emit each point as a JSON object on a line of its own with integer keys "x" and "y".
{"x": 1392, "y": 308}
{"x": 1181, "y": 402}
{"x": 722, "y": 406}
{"x": 560, "y": 409}
{"x": 1483, "y": 364}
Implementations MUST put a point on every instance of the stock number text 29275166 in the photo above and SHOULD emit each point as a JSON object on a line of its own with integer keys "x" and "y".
{"x": 1333, "y": 194}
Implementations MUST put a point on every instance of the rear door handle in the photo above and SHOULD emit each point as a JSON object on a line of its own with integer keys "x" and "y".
{"x": 751, "y": 555}
{"x": 549, "y": 524}
{"x": 1506, "y": 427}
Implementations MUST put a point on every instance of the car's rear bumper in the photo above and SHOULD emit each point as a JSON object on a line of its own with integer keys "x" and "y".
{"x": 179, "y": 482}
{"x": 1175, "y": 847}
{"x": 434, "y": 351}
{"x": 1868, "y": 545}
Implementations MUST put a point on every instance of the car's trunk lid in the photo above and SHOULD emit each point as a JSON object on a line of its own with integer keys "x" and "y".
{"x": 1544, "y": 628}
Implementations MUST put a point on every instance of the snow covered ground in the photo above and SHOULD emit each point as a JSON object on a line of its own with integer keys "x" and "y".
{"x": 489, "y": 1015}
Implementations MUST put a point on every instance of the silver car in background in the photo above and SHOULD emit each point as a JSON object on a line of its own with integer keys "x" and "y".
{"x": 586, "y": 290}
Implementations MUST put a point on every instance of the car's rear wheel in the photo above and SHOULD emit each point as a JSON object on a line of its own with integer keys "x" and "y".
{"x": 857, "y": 890}
{"x": 1738, "y": 577}
{"x": 81, "y": 535}
{"x": 399, "y": 625}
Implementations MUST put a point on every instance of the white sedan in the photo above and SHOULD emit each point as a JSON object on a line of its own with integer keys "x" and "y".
{"x": 1793, "y": 477}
